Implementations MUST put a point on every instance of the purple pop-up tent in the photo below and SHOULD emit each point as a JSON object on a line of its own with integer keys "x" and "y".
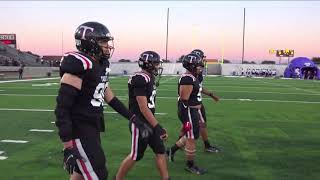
{"x": 299, "y": 66}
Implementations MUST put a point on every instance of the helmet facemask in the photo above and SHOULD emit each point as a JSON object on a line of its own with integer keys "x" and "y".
{"x": 159, "y": 73}
{"x": 199, "y": 68}
{"x": 154, "y": 68}
{"x": 105, "y": 49}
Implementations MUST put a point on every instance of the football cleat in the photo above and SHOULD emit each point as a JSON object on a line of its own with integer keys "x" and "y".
{"x": 195, "y": 170}
{"x": 212, "y": 149}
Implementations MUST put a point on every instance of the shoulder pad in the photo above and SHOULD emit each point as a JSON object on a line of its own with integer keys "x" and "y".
{"x": 140, "y": 79}
{"x": 187, "y": 79}
{"x": 75, "y": 63}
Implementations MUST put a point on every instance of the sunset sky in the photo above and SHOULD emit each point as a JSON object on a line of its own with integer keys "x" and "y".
{"x": 215, "y": 27}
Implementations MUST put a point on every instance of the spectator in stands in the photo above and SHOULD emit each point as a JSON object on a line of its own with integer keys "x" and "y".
{"x": 6, "y": 62}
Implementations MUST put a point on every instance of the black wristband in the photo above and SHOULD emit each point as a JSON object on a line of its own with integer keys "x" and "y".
{"x": 118, "y": 106}
{"x": 158, "y": 126}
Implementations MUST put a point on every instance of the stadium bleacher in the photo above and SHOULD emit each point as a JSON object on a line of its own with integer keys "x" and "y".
{"x": 14, "y": 57}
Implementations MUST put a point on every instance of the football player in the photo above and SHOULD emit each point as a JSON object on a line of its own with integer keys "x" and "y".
{"x": 83, "y": 92}
{"x": 145, "y": 129}
{"x": 189, "y": 105}
{"x": 202, "y": 113}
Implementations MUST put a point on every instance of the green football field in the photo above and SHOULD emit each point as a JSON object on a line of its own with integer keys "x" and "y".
{"x": 267, "y": 128}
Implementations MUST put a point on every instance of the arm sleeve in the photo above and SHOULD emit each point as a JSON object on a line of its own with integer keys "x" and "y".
{"x": 65, "y": 100}
{"x": 139, "y": 83}
{"x": 118, "y": 106}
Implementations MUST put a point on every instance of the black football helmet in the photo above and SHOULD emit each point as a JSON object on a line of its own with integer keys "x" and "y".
{"x": 191, "y": 62}
{"x": 199, "y": 52}
{"x": 149, "y": 60}
{"x": 87, "y": 37}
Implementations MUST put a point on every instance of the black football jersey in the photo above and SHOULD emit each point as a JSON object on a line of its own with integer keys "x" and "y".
{"x": 141, "y": 84}
{"x": 195, "y": 96}
{"x": 88, "y": 106}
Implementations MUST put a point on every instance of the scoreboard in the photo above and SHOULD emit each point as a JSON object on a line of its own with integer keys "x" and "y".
{"x": 285, "y": 53}
{"x": 9, "y": 39}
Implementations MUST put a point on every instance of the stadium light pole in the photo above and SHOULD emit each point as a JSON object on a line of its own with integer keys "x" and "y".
{"x": 167, "y": 34}
{"x": 243, "y": 35}
{"x": 62, "y": 43}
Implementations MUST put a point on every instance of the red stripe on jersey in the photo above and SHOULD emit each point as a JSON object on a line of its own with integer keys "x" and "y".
{"x": 190, "y": 75}
{"x": 146, "y": 77}
{"x": 84, "y": 60}
{"x": 87, "y": 60}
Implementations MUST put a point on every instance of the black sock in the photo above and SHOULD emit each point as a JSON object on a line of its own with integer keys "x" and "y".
{"x": 206, "y": 143}
{"x": 190, "y": 163}
{"x": 174, "y": 149}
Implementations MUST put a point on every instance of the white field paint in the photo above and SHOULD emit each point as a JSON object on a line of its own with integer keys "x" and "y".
{"x": 27, "y": 80}
{"x": 45, "y": 84}
{"x": 245, "y": 100}
{"x": 3, "y": 157}
{"x": 51, "y": 110}
{"x": 13, "y": 141}
{"x": 125, "y": 97}
{"x": 41, "y": 130}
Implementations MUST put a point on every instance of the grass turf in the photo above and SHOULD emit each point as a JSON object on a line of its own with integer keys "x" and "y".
{"x": 267, "y": 129}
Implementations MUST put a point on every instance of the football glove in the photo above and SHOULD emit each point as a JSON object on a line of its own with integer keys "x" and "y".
{"x": 161, "y": 132}
{"x": 144, "y": 129}
{"x": 71, "y": 155}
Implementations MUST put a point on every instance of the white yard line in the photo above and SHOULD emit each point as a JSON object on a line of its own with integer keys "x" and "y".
{"x": 13, "y": 141}
{"x": 288, "y": 86}
{"x": 257, "y": 100}
{"x": 113, "y": 112}
{"x": 52, "y": 122}
{"x": 125, "y": 97}
{"x": 31, "y": 95}
{"x": 245, "y": 99}
{"x": 274, "y": 101}
{"x": 31, "y": 110}
{"x": 27, "y": 80}
{"x": 166, "y": 80}
{"x": 1, "y": 152}
{"x": 45, "y": 84}
{"x": 3, "y": 157}
{"x": 41, "y": 130}
{"x": 51, "y": 110}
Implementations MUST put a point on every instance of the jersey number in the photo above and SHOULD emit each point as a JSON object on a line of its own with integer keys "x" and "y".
{"x": 199, "y": 96}
{"x": 152, "y": 104}
{"x": 98, "y": 96}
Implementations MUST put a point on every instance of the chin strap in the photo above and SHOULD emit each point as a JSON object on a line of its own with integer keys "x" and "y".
{"x": 159, "y": 76}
